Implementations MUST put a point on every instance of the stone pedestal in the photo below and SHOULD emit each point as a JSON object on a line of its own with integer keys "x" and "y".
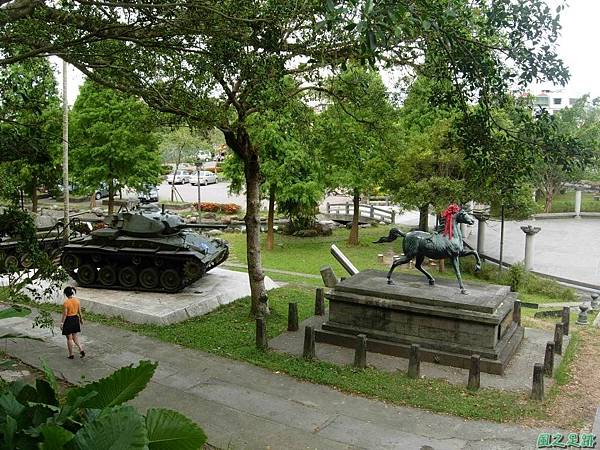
{"x": 530, "y": 233}
{"x": 449, "y": 327}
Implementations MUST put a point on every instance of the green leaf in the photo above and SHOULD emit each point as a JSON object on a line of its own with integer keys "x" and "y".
{"x": 120, "y": 428}
{"x": 9, "y": 405}
{"x": 55, "y": 437}
{"x": 169, "y": 429}
{"x": 9, "y": 431}
{"x": 50, "y": 377}
{"x": 45, "y": 393}
{"x": 119, "y": 387}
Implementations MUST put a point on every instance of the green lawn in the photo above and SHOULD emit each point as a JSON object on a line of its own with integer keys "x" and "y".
{"x": 566, "y": 202}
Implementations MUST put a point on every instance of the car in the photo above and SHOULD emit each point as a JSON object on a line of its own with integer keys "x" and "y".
{"x": 179, "y": 177}
{"x": 206, "y": 177}
{"x": 148, "y": 195}
{"x": 101, "y": 192}
{"x": 203, "y": 155}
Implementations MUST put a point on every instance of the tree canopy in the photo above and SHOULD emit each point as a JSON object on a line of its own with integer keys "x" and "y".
{"x": 113, "y": 141}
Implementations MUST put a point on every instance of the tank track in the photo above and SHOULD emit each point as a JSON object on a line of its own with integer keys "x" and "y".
{"x": 135, "y": 269}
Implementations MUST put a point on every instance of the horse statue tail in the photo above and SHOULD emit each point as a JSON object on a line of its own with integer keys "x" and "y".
{"x": 394, "y": 234}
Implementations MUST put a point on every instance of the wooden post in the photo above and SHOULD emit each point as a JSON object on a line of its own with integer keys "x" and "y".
{"x": 261, "y": 334}
{"x": 309, "y": 343}
{"x": 517, "y": 312}
{"x": 414, "y": 361}
{"x": 393, "y": 218}
{"x": 537, "y": 387}
{"x": 566, "y": 318}
{"x": 549, "y": 359}
{"x": 320, "y": 302}
{"x": 558, "y": 338}
{"x": 474, "y": 373}
{"x": 442, "y": 265}
{"x": 328, "y": 275}
{"x": 360, "y": 355}
{"x": 292, "y": 316}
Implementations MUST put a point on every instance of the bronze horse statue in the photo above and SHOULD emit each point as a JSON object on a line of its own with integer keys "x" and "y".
{"x": 447, "y": 244}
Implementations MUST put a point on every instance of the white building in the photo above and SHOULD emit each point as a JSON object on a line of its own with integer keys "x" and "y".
{"x": 553, "y": 100}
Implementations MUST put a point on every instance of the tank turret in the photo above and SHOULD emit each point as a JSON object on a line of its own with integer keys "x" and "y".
{"x": 147, "y": 249}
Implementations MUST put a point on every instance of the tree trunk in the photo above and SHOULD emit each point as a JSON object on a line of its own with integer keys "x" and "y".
{"x": 111, "y": 196}
{"x": 34, "y": 196}
{"x": 549, "y": 195}
{"x": 270, "y": 217}
{"x": 424, "y": 218}
{"x": 175, "y": 173}
{"x": 353, "y": 238}
{"x": 260, "y": 305}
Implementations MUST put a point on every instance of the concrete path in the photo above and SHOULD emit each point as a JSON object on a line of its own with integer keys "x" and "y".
{"x": 244, "y": 407}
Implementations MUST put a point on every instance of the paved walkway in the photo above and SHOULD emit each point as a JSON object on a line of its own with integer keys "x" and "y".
{"x": 244, "y": 407}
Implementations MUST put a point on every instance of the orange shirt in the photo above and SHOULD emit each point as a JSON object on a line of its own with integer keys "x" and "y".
{"x": 72, "y": 306}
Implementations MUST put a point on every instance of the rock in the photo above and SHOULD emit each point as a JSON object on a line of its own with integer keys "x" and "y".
{"x": 214, "y": 233}
{"x": 209, "y": 216}
{"x": 98, "y": 211}
{"x": 226, "y": 220}
{"x": 45, "y": 222}
{"x": 365, "y": 225}
{"x": 193, "y": 219}
{"x": 306, "y": 233}
{"x": 325, "y": 227}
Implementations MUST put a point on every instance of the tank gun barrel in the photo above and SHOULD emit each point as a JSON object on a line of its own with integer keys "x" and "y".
{"x": 202, "y": 226}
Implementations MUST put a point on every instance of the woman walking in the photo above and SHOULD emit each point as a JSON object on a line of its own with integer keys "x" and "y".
{"x": 71, "y": 321}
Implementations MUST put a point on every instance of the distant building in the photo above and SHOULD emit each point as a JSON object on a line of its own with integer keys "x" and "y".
{"x": 553, "y": 101}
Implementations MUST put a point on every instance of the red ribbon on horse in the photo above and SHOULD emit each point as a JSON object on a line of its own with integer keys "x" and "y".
{"x": 448, "y": 216}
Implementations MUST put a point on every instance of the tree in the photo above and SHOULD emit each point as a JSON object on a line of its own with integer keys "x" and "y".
{"x": 113, "y": 141}
{"x": 354, "y": 133}
{"x": 427, "y": 167}
{"x": 216, "y": 65}
{"x": 567, "y": 142}
{"x": 30, "y": 126}
{"x": 178, "y": 146}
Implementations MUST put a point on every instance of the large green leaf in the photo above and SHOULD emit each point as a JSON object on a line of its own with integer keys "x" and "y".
{"x": 50, "y": 377}
{"x": 119, "y": 428}
{"x": 169, "y": 429}
{"x": 55, "y": 437}
{"x": 10, "y": 405}
{"x": 9, "y": 430}
{"x": 119, "y": 387}
{"x": 45, "y": 392}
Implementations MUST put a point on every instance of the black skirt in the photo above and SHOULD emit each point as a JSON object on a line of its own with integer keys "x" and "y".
{"x": 71, "y": 325}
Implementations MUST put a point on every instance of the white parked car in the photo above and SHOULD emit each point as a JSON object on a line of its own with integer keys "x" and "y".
{"x": 206, "y": 177}
{"x": 179, "y": 177}
{"x": 203, "y": 155}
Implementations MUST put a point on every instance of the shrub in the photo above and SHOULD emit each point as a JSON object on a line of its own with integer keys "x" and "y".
{"x": 92, "y": 415}
{"x": 225, "y": 208}
{"x": 521, "y": 281}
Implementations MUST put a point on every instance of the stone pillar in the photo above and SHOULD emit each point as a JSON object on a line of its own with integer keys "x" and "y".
{"x": 309, "y": 343}
{"x": 360, "y": 353}
{"x": 578, "y": 203}
{"x": 414, "y": 361}
{"x": 474, "y": 373}
{"x": 537, "y": 387}
{"x": 530, "y": 233}
{"x": 481, "y": 217}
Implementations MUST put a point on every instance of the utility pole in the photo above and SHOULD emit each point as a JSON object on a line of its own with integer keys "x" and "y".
{"x": 65, "y": 153}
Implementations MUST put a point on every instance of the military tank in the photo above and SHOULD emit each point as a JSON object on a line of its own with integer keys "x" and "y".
{"x": 49, "y": 236}
{"x": 148, "y": 250}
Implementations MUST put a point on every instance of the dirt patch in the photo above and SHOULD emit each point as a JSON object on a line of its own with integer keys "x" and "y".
{"x": 574, "y": 406}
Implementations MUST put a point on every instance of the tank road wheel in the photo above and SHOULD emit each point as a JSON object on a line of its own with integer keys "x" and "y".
{"x": 26, "y": 261}
{"x": 128, "y": 276}
{"x": 192, "y": 270}
{"x": 69, "y": 261}
{"x": 11, "y": 263}
{"x": 170, "y": 280}
{"x": 86, "y": 275}
{"x": 107, "y": 275}
{"x": 149, "y": 278}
